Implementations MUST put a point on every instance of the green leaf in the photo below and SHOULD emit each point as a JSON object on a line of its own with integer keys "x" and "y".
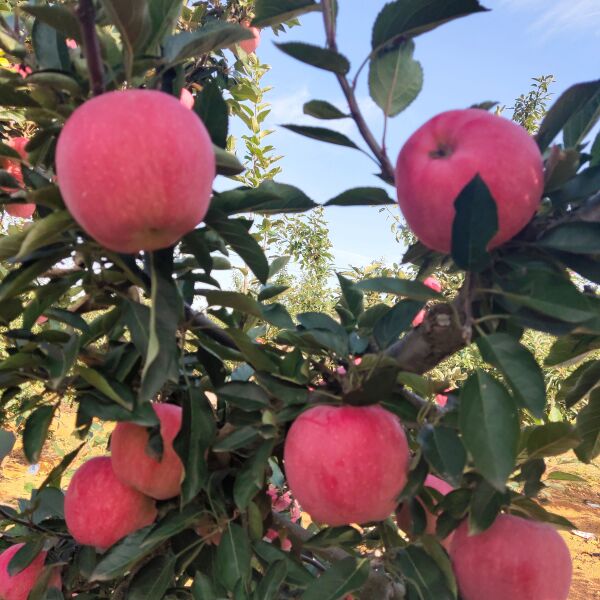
{"x": 551, "y": 439}
{"x": 161, "y": 362}
{"x": 486, "y": 503}
{"x": 414, "y": 290}
{"x": 49, "y": 46}
{"x": 270, "y": 197}
{"x": 239, "y": 438}
{"x": 202, "y": 588}
{"x": 153, "y": 580}
{"x": 211, "y": 107}
{"x": 474, "y": 225}
{"x": 579, "y": 383}
{"x": 251, "y": 477}
{"x": 213, "y": 36}
{"x": 197, "y": 433}
{"x": 242, "y": 242}
{"x": 273, "y": 12}
{"x": 234, "y": 556}
{"x": 570, "y": 349}
{"x": 322, "y": 58}
{"x": 334, "y": 536}
{"x": 7, "y": 443}
{"x": 343, "y": 577}
{"x": 582, "y": 122}
{"x": 572, "y": 104}
{"x": 352, "y": 299}
{"x": 444, "y": 451}
{"x": 36, "y": 431}
{"x": 575, "y": 237}
{"x": 132, "y": 19}
{"x": 519, "y": 367}
{"x": 588, "y": 428}
{"x": 101, "y": 383}
{"x": 44, "y": 232}
{"x": 11, "y": 97}
{"x": 164, "y": 15}
{"x": 489, "y": 424}
{"x": 409, "y": 18}
{"x": 24, "y": 556}
{"x": 395, "y": 79}
{"x": 227, "y": 163}
{"x": 58, "y": 16}
{"x": 320, "y": 109}
{"x": 425, "y": 579}
{"x": 244, "y": 395}
{"x": 122, "y": 556}
{"x": 270, "y": 584}
{"x": 269, "y": 553}
{"x": 364, "y": 196}
{"x": 323, "y": 135}
{"x": 580, "y": 187}
{"x": 564, "y": 476}
{"x": 397, "y": 320}
{"x": 172, "y": 524}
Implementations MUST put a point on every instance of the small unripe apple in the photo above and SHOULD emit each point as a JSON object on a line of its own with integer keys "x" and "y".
{"x": 135, "y": 467}
{"x": 135, "y": 169}
{"x": 447, "y": 152}
{"x": 13, "y": 167}
{"x": 250, "y": 46}
{"x": 18, "y": 586}
{"x": 100, "y": 510}
{"x": 514, "y": 559}
{"x": 403, "y": 515}
{"x": 346, "y": 464}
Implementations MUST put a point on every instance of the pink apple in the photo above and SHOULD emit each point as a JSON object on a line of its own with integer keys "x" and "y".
{"x": 135, "y": 169}
{"x": 441, "y": 399}
{"x": 136, "y": 468}
{"x": 100, "y": 510}
{"x": 514, "y": 559}
{"x": 446, "y": 153}
{"x": 346, "y": 464}
{"x": 72, "y": 44}
{"x": 41, "y": 320}
{"x": 18, "y": 586}
{"x": 403, "y": 515}
{"x": 436, "y": 286}
{"x": 13, "y": 167}
{"x": 187, "y": 99}
{"x": 250, "y": 46}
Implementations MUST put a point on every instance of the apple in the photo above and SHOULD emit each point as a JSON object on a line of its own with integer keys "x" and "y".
{"x": 403, "y": 515}
{"x": 446, "y": 153}
{"x": 346, "y": 464}
{"x": 100, "y": 510}
{"x": 13, "y": 167}
{"x": 136, "y": 468}
{"x": 18, "y": 586}
{"x": 250, "y": 46}
{"x": 436, "y": 286}
{"x": 135, "y": 169}
{"x": 515, "y": 558}
{"x": 187, "y": 99}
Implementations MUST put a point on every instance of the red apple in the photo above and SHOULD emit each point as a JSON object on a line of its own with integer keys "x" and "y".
{"x": 13, "y": 167}
{"x": 135, "y": 169}
{"x": 514, "y": 559}
{"x": 403, "y": 514}
{"x": 346, "y": 464}
{"x": 18, "y": 586}
{"x": 136, "y": 468}
{"x": 100, "y": 510}
{"x": 250, "y": 46}
{"x": 186, "y": 98}
{"x": 446, "y": 153}
{"x": 441, "y": 399}
{"x": 436, "y": 286}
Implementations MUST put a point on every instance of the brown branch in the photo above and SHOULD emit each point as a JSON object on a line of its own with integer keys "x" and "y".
{"x": 386, "y": 166}
{"x": 91, "y": 45}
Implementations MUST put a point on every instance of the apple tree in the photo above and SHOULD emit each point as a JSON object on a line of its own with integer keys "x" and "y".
{"x": 258, "y": 454}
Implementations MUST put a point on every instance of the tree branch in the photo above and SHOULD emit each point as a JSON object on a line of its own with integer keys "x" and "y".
{"x": 91, "y": 46}
{"x": 384, "y": 162}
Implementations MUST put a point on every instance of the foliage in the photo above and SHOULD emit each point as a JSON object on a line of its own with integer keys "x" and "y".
{"x": 124, "y": 330}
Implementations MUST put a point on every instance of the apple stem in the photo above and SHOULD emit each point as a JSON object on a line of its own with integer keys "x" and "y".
{"x": 91, "y": 45}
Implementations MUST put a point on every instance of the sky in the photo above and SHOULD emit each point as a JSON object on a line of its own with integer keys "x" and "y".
{"x": 486, "y": 56}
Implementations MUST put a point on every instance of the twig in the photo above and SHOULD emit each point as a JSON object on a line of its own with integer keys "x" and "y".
{"x": 384, "y": 162}
{"x": 91, "y": 45}
{"x": 31, "y": 525}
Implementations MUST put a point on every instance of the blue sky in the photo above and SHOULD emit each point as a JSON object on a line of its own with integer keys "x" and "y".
{"x": 487, "y": 56}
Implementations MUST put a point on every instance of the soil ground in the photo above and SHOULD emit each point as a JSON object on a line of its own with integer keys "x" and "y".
{"x": 577, "y": 501}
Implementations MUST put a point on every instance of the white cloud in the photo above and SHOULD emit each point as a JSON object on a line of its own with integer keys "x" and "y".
{"x": 554, "y": 17}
